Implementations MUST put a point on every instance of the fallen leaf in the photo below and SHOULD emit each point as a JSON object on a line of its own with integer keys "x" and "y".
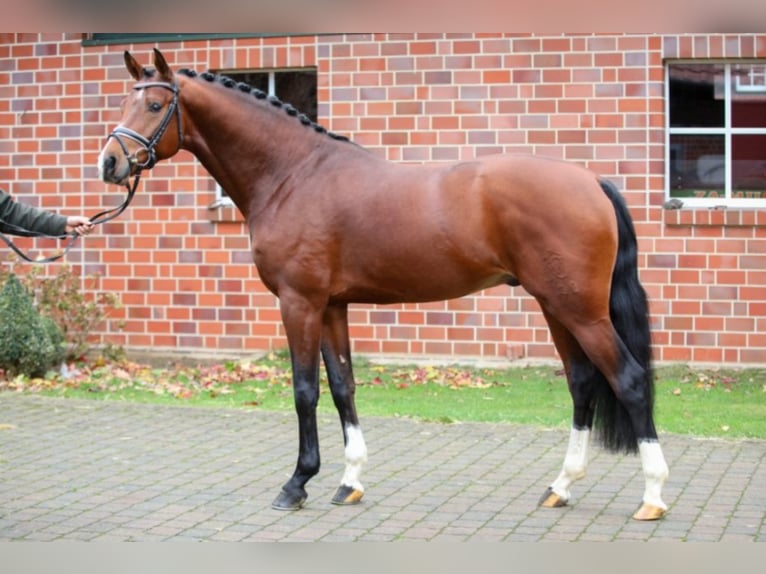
{"x": 676, "y": 392}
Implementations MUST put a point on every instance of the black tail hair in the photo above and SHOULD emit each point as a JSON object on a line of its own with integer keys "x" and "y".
{"x": 629, "y": 312}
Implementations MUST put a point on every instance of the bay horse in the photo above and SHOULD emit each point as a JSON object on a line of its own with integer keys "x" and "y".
{"x": 332, "y": 224}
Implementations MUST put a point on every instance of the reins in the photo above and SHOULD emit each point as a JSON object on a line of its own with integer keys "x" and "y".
{"x": 99, "y": 218}
{"x": 147, "y": 145}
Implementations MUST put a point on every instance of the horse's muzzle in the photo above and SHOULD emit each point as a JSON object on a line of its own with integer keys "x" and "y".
{"x": 113, "y": 169}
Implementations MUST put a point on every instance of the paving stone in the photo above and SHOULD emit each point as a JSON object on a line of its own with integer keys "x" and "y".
{"x": 108, "y": 471}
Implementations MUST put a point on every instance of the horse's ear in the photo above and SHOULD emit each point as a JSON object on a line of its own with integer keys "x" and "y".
{"x": 136, "y": 70}
{"x": 162, "y": 66}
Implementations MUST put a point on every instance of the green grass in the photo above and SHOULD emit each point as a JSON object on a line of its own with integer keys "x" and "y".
{"x": 722, "y": 403}
{"x": 713, "y": 403}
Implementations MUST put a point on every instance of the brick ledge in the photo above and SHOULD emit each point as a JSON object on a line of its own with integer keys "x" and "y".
{"x": 730, "y": 217}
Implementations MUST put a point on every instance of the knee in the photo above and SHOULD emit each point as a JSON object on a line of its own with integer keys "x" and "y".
{"x": 343, "y": 393}
{"x": 306, "y": 398}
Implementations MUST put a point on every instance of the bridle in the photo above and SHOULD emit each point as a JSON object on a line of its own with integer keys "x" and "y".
{"x": 147, "y": 146}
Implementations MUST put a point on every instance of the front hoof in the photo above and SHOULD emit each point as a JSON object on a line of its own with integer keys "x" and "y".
{"x": 649, "y": 512}
{"x": 552, "y": 500}
{"x": 346, "y": 495}
{"x": 289, "y": 501}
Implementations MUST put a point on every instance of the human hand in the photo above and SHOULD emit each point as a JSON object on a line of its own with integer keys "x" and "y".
{"x": 79, "y": 224}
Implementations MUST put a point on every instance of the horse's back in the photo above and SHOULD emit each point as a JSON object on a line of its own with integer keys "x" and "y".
{"x": 541, "y": 184}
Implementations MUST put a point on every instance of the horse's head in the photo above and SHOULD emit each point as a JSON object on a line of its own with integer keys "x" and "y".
{"x": 142, "y": 138}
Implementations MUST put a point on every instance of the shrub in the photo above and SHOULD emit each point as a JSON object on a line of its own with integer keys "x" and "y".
{"x": 60, "y": 298}
{"x": 56, "y": 336}
{"x": 30, "y": 344}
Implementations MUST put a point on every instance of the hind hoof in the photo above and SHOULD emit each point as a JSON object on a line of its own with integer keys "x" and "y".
{"x": 289, "y": 501}
{"x": 346, "y": 495}
{"x": 649, "y": 512}
{"x": 552, "y": 500}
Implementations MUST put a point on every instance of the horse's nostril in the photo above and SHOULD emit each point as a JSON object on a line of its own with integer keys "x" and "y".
{"x": 107, "y": 167}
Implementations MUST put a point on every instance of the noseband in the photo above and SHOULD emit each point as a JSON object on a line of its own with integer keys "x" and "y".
{"x": 148, "y": 145}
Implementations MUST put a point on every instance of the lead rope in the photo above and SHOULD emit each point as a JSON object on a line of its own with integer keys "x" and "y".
{"x": 98, "y": 219}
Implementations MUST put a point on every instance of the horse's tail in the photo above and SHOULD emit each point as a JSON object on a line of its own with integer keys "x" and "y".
{"x": 629, "y": 312}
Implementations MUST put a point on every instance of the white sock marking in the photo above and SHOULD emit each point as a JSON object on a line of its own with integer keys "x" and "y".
{"x": 575, "y": 462}
{"x": 356, "y": 456}
{"x": 655, "y": 472}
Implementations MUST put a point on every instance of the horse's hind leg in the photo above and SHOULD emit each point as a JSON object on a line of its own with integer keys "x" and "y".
{"x": 634, "y": 395}
{"x": 336, "y": 352}
{"x": 580, "y": 373}
{"x": 611, "y": 390}
{"x": 624, "y": 409}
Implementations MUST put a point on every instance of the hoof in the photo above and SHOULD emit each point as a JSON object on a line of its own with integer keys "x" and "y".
{"x": 346, "y": 495}
{"x": 552, "y": 500}
{"x": 649, "y": 512}
{"x": 289, "y": 501}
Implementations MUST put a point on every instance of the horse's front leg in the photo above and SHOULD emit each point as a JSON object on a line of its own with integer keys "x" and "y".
{"x": 303, "y": 322}
{"x": 336, "y": 352}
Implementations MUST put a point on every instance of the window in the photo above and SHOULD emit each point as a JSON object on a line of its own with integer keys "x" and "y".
{"x": 716, "y": 120}
{"x": 296, "y": 87}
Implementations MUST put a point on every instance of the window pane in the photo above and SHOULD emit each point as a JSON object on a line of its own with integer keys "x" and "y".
{"x": 748, "y": 165}
{"x": 697, "y": 166}
{"x": 748, "y": 90}
{"x": 259, "y": 80}
{"x": 298, "y": 88}
{"x": 696, "y": 95}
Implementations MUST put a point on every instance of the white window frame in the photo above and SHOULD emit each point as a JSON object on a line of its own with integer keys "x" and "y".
{"x": 754, "y": 88}
{"x": 727, "y": 131}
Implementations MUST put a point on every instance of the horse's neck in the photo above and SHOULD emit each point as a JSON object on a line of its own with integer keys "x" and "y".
{"x": 249, "y": 149}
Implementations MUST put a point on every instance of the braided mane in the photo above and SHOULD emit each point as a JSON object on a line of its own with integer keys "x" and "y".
{"x": 263, "y": 96}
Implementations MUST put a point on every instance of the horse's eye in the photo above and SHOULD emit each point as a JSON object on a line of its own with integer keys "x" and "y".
{"x": 155, "y": 107}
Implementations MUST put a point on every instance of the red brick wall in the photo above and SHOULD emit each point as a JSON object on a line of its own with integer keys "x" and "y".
{"x": 184, "y": 272}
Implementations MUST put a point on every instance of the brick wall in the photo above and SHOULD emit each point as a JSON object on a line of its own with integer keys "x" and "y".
{"x": 184, "y": 273}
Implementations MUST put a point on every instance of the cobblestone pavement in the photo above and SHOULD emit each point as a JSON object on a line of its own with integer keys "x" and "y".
{"x": 88, "y": 470}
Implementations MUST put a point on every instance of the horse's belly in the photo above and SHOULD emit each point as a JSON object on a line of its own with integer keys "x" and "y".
{"x": 420, "y": 288}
